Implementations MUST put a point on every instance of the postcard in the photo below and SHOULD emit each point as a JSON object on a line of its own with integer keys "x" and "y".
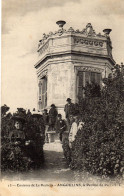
{"x": 62, "y": 111}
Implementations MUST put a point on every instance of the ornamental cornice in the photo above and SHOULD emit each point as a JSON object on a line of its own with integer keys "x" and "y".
{"x": 88, "y": 31}
{"x": 89, "y": 69}
{"x": 84, "y": 41}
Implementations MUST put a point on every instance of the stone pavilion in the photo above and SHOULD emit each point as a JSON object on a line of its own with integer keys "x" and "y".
{"x": 67, "y": 60}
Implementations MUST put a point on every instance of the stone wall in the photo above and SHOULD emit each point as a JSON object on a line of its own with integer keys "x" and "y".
{"x": 61, "y": 83}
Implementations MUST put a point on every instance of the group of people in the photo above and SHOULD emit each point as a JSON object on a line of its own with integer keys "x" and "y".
{"x": 30, "y": 131}
{"x": 54, "y": 121}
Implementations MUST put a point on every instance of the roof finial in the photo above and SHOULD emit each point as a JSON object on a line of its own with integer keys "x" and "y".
{"x": 61, "y": 23}
{"x": 107, "y": 31}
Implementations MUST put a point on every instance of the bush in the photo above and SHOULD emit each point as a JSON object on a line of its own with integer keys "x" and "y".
{"x": 66, "y": 150}
{"x": 98, "y": 148}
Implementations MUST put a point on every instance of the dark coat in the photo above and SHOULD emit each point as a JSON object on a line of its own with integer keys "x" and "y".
{"x": 17, "y": 135}
{"x": 52, "y": 116}
{"x": 46, "y": 118}
{"x": 69, "y": 109}
{"x": 60, "y": 126}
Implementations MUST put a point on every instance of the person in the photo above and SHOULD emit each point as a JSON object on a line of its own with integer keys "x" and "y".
{"x": 38, "y": 136}
{"x": 46, "y": 123}
{"x": 39, "y": 124}
{"x": 52, "y": 116}
{"x": 60, "y": 126}
{"x": 45, "y": 117}
{"x": 28, "y": 113}
{"x": 17, "y": 135}
{"x": 71, "y": 120}
{"x": 18, "y": 147}
{"x": 73, "y": 131}
{"x": 69, "y": 110}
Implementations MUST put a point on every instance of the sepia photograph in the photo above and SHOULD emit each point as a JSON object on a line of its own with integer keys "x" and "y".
{"x": 62, "y": 97}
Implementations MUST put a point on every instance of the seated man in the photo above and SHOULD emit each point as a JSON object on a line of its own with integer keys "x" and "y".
{"x": 60, "y": 126}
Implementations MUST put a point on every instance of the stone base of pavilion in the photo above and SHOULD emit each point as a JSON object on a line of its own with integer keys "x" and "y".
{"x": 52, "y": 136}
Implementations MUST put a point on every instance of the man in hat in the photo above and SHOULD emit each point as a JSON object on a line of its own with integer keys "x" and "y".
{"x": 69, "y": 110}
{"x": 52, "y": 116}
{"x": 60, "y": 126}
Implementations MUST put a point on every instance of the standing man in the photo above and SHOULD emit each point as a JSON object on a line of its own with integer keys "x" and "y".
{"x": 52, "y": 116}
{"x": 60, "y": 126}
{"x": 69, "y": 110}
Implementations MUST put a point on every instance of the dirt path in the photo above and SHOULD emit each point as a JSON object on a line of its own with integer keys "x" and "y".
{"x": 55, "y": 168}
{"x": 55, "y": 165}
{"x": 54, "y": 171}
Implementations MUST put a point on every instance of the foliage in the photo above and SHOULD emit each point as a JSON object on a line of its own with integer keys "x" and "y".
{"x": 66, "y": 150}
{"x": 4, "y": 109}
{"x": 13, "y": 158}
{"x": 98, "y": 147}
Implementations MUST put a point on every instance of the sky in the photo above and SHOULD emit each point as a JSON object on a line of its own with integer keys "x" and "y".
{"x": 23, "y": 24}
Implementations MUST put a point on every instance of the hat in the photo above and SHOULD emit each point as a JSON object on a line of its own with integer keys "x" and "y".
{"x": 68, "y": 99}
{"x": 45, "y": 110}
{"x": 53, "y": 105}
{"x": 18, "y": 118}
{"x": 36, "y": 115}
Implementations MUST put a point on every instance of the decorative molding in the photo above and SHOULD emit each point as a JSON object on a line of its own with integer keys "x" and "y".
{"x": 43, "y": 48}
{"x": 78, "y": 40}
{"x": 88, "y": 31}
{"x": 87, "y": 68}
{"x": 42, "y": 74}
